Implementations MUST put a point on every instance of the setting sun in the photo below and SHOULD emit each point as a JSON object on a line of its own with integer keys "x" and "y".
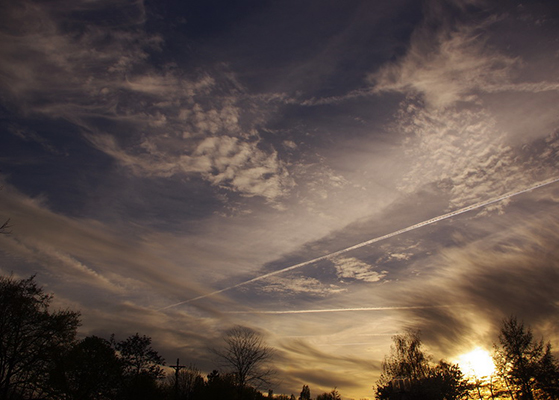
{"x": 477, "y": 363}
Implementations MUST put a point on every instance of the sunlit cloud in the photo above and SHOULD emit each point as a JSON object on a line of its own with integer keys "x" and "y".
{"x": 352, "y": 268}
{"x": 445, "y": 66}
{"x": 302, "y": 284}
{"x": 372, "y": 241}
{"x": 176, "y": 121}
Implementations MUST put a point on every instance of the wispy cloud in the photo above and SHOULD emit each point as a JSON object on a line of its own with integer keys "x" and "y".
{"x": 445, "y": 66}
{"x": 487, "y": 271}
{"x": 467, "y": 154}
{"x": 83, "y": 252}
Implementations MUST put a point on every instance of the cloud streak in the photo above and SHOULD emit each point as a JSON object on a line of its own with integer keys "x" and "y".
{"x": 337, "y": 310}
{"x": 372, "y": 241}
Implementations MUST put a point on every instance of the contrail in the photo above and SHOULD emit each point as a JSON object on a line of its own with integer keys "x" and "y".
{"x": 371, "y": 241}
{"x": 330, "y": 310}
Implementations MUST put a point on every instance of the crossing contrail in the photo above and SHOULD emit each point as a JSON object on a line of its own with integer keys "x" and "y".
{"x": 371, "y": 241}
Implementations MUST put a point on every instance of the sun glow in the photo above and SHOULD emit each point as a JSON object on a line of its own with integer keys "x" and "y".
{"x": 477, "y": 363}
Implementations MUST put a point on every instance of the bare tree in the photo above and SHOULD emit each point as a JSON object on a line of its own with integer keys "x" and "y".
{"x": 188, "y": 382}
{"x": 247, "y": 356}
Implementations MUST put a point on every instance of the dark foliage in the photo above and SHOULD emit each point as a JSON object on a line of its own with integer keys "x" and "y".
{"x": 526, "y": 365}
{"x": 30, "y": 338}
{"x": 139, "y": 358}
{"x": 407, "y": 374}
{"x": 333, "y": 395}
{"x": 141, "y": 366}
{"x": 89, "y": 370}
{"x": 305, "y": 393}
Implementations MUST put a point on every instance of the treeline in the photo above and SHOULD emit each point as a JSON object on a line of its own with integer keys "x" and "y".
{"x": 41, "y": 358}
{"x": 525, "y": 369}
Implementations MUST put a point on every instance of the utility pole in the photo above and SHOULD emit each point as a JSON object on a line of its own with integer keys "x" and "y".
{"x": 177, "y": 368}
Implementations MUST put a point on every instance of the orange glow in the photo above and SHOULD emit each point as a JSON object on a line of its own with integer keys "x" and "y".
{"x": 477, "y": 363}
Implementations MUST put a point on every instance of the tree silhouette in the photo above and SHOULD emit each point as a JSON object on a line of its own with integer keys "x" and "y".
{"x": 89, "y": 370}
{"x": 141, "y": 365}
{"x": 333, "y": 395}
{"x": 407, "y": 373}
{"x": 30, "y": 336}
{"x": 220, "y": 387}
{"x": 138, "y": 357}
{"x": 247, "y": 356}
{"x": 186, "y": 384}
{"x": 445, "y": 381}
{"x": 305, "y": 393}
{"x": 527, "y": 366}
{"x": 407, "y": 358}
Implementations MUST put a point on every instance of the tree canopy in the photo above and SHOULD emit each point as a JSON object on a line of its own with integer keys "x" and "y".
{"x": 30, "y": 336}
{"x": 408, "y": 374}
{"x": 526, "y": 365}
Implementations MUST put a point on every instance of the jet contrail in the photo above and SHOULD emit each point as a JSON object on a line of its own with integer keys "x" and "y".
{"x": 371, "y": 241}
{"x": 330, "y": 310}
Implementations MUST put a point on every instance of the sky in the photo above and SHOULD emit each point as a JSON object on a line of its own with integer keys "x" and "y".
{"x": 178, "y": 168}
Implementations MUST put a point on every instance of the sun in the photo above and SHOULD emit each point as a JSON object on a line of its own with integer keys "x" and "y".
{"x": 477, "y": 363}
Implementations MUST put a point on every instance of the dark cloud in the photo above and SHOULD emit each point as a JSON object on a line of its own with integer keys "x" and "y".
{"x": 511, "y": 269}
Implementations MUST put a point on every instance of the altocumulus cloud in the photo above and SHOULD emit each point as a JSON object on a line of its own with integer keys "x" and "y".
{"x": 299, "y": 285}
{"x": 353, "y": 268}
{"x": 175, "y": 125}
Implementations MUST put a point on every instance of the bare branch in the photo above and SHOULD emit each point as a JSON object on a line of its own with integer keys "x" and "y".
{"x": 5, "y": 226}
{"x": 247, "y": 355}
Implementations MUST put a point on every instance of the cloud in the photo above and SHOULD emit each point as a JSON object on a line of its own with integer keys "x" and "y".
{"x": 352, "y": 268}
{"x": 335, "y": 310}
{"x": 321, "y": 370}
{"x": 298, "y": 285}
{"x": 153, "y": 120}
{"x": 447, "y": 64}
{"x": 44, "y": 61}
{"x": 355, "y": 269}
{"x": 224, "y": 161}
{"x": 499, "y": 267}
{"x": 467, "y": 155}
{"x": 84, "y": 254}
